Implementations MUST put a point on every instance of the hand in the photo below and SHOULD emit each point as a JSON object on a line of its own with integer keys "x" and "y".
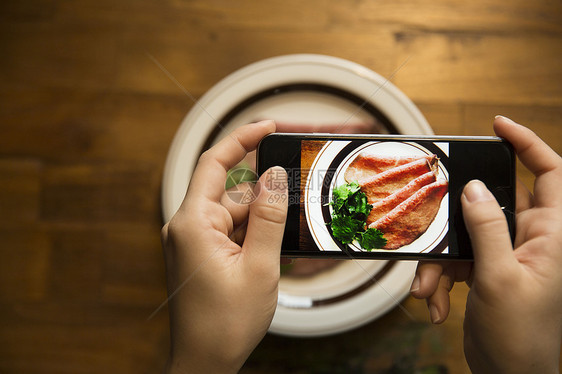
{"x": 222, "y": 261}
{"x": 513, "y": 319}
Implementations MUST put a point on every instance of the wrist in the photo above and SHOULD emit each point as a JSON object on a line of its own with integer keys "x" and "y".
{"x": 196, "y": 360}
{"x": 198, "y": 365}
{"x": 536, "y": 362}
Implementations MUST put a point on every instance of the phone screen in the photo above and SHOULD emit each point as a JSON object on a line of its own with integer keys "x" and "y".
{"x": 384, "y": 198}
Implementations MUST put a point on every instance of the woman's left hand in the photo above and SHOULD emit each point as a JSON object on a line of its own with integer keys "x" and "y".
{"x": 222, "y": 260}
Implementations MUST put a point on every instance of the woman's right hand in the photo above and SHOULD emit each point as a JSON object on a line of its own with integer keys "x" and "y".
{"x": 513, "y": 319}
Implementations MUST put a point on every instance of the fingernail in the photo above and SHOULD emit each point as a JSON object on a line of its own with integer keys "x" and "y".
{"x": 434, "y": 314}
{"x": 476, "y": 191}
{"x": 276, "y": 179}
{"x": 415, "y": 284}
{"x": 505, "y": 119}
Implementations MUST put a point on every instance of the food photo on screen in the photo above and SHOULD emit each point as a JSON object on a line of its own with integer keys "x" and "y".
{"x": 376, "y": 196}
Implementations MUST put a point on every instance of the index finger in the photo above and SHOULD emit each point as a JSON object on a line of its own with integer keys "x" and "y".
{"x": 209, "y": 177}
{"x": 537, "y": 156}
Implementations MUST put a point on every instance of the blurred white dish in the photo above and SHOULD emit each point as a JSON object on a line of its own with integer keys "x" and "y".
{"x": 304, "y": 89}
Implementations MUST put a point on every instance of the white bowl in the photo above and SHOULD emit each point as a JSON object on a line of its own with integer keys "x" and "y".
{"x": 315, "y": 89}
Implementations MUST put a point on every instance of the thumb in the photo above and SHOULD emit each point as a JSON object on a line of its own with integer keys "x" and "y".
{"x": 486, "y": 226}
{"x": 266, "y": 222}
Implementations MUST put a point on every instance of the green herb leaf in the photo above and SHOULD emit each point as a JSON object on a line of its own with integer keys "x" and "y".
{"x": 350, "y": 211}
{"x": 345, "y": 228}
{"x": 371, "y": 239}
{"x": 342, "y": 194}
{"x": 358, "y": 205}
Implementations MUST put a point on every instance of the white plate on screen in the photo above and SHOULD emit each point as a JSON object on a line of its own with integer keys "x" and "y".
{"x": 315, "y": 90}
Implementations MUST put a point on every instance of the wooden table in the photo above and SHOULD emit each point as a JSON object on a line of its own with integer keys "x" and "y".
{"x": 87, "y": 118}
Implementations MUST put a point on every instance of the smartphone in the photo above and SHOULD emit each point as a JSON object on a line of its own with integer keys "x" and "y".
{"x": 382, "y": 196}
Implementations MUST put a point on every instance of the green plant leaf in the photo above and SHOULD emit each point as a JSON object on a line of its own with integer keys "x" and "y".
{"x": 371, "y": 239}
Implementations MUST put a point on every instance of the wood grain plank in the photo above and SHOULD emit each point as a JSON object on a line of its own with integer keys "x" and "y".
{"x": 19, "y": 191}
{"x": 439, "y": 48}
{"x": 544, "y": 120}
{"x": 25, "y": 266}
{"x": 444, "y": 119}
{"x": 76, "y": 265}
{"x": 125, "y": 346}
{"x": 62, "y": 125}
{"x": 488, "y": 70}
{"x": 104, "y": 193}
{"x": 309, "y": 151}
{"x": 134, "y": 272}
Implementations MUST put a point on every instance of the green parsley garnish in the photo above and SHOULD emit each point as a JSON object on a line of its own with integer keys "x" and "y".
{"x": 372, "y": 238}
{"x": 345, "y": 228}
{"x": 349, "y": 215}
